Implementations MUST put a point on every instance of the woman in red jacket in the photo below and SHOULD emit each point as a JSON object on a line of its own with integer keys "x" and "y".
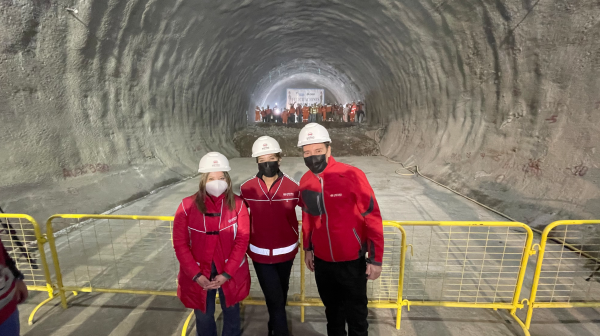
{"x": 210, "y": 237}
{"x": 272, "y": 197}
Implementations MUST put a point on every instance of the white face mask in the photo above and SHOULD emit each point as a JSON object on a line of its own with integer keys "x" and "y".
{"x": 216, "y": 188}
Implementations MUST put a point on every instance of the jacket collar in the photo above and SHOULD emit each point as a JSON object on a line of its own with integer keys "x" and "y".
{"x": 279, "y": 175}
{"x": 214, "y": 200}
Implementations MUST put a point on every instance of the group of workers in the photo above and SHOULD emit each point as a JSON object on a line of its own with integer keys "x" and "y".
{"x": 298, "y": 113}
{"x": 214, "y": 230}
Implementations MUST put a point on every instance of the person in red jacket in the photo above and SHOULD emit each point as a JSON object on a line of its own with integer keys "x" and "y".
{"x": 272, "y": 197}
{"x": 210, "y": 236}
{"x": 341, "y": 224}
{"x": 13, "y": 291}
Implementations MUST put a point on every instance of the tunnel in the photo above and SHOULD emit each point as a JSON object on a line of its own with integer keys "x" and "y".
{"x": 103, "y": 102}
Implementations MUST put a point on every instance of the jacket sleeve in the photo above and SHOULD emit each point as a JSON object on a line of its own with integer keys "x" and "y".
{"x": 308, "y": 223}
{"x": 369, "y": 209}
{"x": 181, "y": 243}
{"x": 242, "y": 238}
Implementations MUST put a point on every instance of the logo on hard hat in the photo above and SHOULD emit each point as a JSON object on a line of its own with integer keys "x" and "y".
{"x": 265, "y": 145}
{"x": 215, "y": 161}
{"x": 310, "y": 134}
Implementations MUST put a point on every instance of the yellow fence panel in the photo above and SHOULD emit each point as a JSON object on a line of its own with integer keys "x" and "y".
{"x": 466, "y": 264}
{"x": 567, "y": 272}
{"x": 384, "y": 292}
{"x": 24, "y": 242}
{"x": 113, "y": 254}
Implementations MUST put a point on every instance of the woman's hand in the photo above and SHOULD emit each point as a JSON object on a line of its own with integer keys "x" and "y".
{"x": 217, "y": 282}
{"x": 203, "y": 282}
{"x": 21, "y": 291}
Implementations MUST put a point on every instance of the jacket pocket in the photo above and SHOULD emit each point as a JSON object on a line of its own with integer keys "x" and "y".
{"x": 312, "y": 202}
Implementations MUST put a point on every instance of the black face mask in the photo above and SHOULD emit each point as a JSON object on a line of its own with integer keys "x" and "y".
{"x": 316, "y": 163}
{"x": 269, "y": 169}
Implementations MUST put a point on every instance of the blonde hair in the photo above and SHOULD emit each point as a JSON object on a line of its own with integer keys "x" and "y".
{"x": 201, "y": 194}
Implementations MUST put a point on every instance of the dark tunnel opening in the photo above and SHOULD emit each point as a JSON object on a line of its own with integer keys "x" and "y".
{"x": 498, "y": 99}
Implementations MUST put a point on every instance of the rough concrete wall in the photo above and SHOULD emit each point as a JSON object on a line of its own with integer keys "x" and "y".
{"x": 498, "y": 98}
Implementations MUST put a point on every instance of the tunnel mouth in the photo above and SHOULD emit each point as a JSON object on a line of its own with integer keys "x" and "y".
{"x": 303, "y": 74}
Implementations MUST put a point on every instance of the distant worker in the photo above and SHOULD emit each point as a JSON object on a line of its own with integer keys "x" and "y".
{"x": 314, "y": 110}
{"x": 263, "y": 113}
{"x": 211, "y": 232}
{"x": 328, "y": 111}
{"x": 339, "y": 112}
{"x": 346, "y": 112}
{"x": 305, "y": 113}
{"x": 353, "y": 112}
{"x": 341, "y": 224}
{"x": 257, "y": 114}
{"x": 13, "y": 291}
{"x": 292, "y": 116}
{"x": 323, "y": 113}
{"x": 269, "y": 114}
{"x": 284, "y": 116}
{"x": 360, "y": 113}
{"x": 272, "y": 197}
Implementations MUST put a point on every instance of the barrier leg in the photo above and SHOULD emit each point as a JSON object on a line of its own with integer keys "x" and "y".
{"x": 30, "y": 321}
{"x": 186, "y": 324}
{"x": 59, "y": 283}
{"x": 302, "y": 282}
{"x": 513, "y": 313}
{"x": 398, "y": 316}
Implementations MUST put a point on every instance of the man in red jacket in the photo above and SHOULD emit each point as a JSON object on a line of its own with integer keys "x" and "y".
{"x": 12, "y": 292}
{"x": 272, "y": 197}
{"x": 341, "y": 223}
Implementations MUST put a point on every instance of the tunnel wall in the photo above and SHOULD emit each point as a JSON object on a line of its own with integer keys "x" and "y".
{"x": 501, "y": 102}
{"x": 497, "y": 98}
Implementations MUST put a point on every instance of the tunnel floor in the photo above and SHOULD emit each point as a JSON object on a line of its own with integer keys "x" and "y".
{"x": 401, "y": 197}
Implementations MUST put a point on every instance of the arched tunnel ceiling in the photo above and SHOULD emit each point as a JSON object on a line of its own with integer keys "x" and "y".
{"x": 498, "y": 98}
{"x": 305, "y": 74}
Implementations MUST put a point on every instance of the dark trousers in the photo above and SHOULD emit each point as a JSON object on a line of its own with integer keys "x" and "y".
{"x": 343, "y": 288}
{"x": 205, "y": 322}
{"x": 274, "y": 280}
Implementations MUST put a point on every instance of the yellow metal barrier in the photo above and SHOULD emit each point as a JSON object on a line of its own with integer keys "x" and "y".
{"x": 567, "y": 267}
{"x": 452, "y": 264}
{"x": 385, "y": 292}
{"x": 466, "y": 264}
{"x": 114, "y": 254}
{"x": 24, "y": 242}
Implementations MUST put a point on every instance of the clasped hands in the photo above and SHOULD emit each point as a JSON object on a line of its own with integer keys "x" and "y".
{"x": 208, "y": 285}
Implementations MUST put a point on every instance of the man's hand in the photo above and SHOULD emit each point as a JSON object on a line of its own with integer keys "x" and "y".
{"x": 21, "y": 291}
{"x": 203, "y": 282}
{"x": 373, "y": 272}
{"x": 309, "y": 260}
{"x": 217, "y": 282}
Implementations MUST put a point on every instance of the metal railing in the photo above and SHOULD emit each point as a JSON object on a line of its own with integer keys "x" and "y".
{"x": 470, "y": 264}
{"x": 24, "y": 243}
{"x": 467, "y": 264}
{"x": 113, "y": 254}
{"x": 567, "y": 267}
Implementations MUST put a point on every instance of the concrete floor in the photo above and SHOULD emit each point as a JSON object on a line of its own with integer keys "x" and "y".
{"x": 401, "y": 197}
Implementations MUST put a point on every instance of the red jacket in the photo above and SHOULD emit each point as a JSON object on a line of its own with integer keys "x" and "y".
{"x": 221, "y": 236}
{"x": 274, "y": 226}
{"x": 340, "y": 215}
{"x": 8, "y": 276}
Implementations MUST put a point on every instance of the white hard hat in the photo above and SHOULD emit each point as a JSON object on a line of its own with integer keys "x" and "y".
{"x": 214, "y": 162}
{"x": 313, "y": 133}
{"x": 265, "y": 145}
